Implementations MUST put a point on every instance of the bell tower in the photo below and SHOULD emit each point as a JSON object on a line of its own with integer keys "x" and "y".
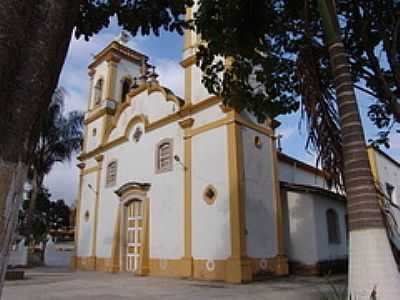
{"x": 112, "y": 73}
{"x": 194, "y": 89}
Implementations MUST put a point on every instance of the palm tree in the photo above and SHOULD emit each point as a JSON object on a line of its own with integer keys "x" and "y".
{"x": 372, "y": 265}
{"x": 59, "y": 138}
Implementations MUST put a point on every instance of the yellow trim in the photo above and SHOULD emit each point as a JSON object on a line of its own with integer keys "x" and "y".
{"x": 210, "y": 269}
{"x": 373, "y": 163}
{"x": 89, "y": 170}
{"x": 167, "y": 93}
{"x": 144, "y": 267}
{"x": 187, "y": 111}
{"x": 132, "y": 122}
{"x": 189, "y": 61}
{"x": 85, "y": 263}
{"x": 99, "y": 160}
{"x": 238, "y": 266}
{"x": 103, "y": 148}
{"x": 188, "y": 33}
{"x": 115, "y": 253}
{"x": 151, "y": 88}
{"x": 248, "y": 124}
{"x": 91, "y": 81}
{"x": 94, "y": 115}
{"x": 187, "y": 124}
{"x": 120, "y": 51}
{"x": 112, "y": 64}
{"x": 188, "y": 85}
{"x": 210, "y": 126}
{"x": 224, "y": 108}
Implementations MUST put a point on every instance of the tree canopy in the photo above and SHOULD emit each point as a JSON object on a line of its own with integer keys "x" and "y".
{"x": 279, "y": 60}
{"x": 144, "y": 17}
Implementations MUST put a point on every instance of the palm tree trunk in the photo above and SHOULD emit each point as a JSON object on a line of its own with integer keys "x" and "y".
{"x": 371, "y": 262}
{"x": 34, "y": 39}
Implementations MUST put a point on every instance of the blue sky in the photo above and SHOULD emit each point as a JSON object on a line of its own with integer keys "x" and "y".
{"x": 165, "y": 53}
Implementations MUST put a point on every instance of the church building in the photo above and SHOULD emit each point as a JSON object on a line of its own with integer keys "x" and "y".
{"x": 189, "y": 188}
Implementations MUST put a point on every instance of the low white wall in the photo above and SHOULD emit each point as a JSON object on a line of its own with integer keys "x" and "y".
{"x": 18, "y": 255}
{"x": 301, "y": 241}
{"x": 58, "y": 255}
{"x": 306, "y": 231}
{"x": 325, "y": 250}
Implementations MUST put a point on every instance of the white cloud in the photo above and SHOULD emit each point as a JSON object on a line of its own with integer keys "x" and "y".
{"x": 287, "y": 132}
{"x": 171, "y": 75}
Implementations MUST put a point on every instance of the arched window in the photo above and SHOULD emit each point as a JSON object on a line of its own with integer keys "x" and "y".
{"x": 98, "y": 91}
{"x": 111, "y": 174}
{"x": 164, "y": 156}
{"x": 332, "y": 220}
{"x": 126, "y": 86}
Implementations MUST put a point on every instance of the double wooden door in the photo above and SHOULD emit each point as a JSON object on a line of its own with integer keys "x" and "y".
{"x": 134, "y": 235}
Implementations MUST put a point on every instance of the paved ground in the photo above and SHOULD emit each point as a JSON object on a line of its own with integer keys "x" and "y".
{"x": 62, "y": 284}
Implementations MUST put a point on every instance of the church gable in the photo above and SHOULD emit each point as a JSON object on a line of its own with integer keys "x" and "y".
{"x": 148, "y": 104}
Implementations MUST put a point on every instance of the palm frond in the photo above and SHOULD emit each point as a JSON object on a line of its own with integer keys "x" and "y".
{"x": 320, "y": 112}
{"x": 60, "y": 135}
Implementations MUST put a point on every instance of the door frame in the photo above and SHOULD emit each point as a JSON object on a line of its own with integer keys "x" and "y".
{"x": 128, "y": 193}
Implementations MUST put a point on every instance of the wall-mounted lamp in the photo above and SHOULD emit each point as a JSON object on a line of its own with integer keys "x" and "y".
{"x": 91, "y": 188}
{"x": 178, "y": 160}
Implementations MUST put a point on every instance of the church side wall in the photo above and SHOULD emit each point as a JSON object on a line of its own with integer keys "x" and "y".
{"x": 291, "y": 174}
{"x": 300, "y": 237}
{"x": 210, "y": 222}
{"x": 260, "y": 207}
{"x": 388, "y": 172}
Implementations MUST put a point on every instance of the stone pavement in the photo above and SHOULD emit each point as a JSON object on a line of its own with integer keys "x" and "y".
{"x": 62, "y": 284}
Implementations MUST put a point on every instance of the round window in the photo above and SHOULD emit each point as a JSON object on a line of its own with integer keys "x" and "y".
{"x": 210, "y": 194}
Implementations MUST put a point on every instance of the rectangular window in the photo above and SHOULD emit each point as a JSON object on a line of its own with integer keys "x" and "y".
{"x": 164, "y": 156}
{"x": 111, "y": 174}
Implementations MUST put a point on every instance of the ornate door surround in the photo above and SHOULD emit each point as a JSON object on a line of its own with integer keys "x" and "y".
{"x": 133, "y": 195}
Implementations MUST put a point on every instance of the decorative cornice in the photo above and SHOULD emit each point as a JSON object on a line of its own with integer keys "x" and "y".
{"x": 187, "y": 62}
{"x": 99, "y": 158}
{"x": 112, "y": 57}
{"x": 120, "y": 51}
{"x": 187, "y": 123}
{"x": 185, "y": 112}
{"x": 224, "y": 108}
{"x": 98, "y": 113}
{"x": 132, "y": 186}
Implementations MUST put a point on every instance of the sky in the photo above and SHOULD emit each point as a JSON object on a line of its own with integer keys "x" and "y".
{"x": 165, "y": 53}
